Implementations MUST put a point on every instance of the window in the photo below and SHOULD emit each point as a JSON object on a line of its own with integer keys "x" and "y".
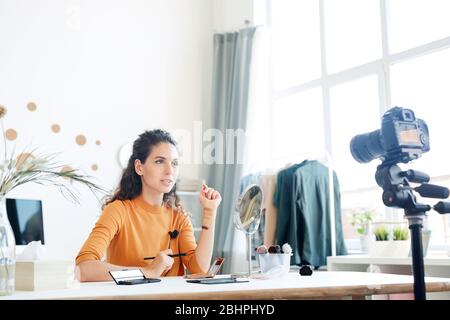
{"x": 352, "y": 31}
{"x": 354, "y": 108}
{"x": 337, "y": 66}
{"x": 415, "y": 22}
{"x": 298, "y": 124}
{"x": 296, "y": 39}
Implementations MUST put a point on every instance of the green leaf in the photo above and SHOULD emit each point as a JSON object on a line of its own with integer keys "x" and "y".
{"x": 400, "y": 234}
{"x": 381, "y": 234}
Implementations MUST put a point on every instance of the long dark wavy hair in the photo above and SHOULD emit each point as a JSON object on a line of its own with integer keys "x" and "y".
{"x": 130, "y": 185}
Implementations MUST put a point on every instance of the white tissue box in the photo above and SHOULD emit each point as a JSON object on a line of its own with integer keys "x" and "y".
{"x": 44, "y": 275}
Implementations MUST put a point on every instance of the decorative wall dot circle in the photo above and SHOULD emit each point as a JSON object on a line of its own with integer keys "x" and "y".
{"x": 3, "y": 111}
{"x": 80, "y": 140}
{"x": 94, "y": 167}
{"x": 56, "y": 128}
{"x": 66, "y": 169}
{"x": 11, "y": 134}
{"x": 23, "y": 158}
{"x": 98, "y": 142}
{"x": 31, "y": 106}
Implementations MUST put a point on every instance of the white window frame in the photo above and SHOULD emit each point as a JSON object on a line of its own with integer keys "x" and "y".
{"x": 381, "y": 68}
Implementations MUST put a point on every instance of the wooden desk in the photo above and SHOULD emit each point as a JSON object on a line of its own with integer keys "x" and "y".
{"x": 321, "y": 285}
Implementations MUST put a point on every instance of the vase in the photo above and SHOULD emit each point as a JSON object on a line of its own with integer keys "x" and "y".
{"x": 364, "y": 240}
{"x": 7, "y": 252}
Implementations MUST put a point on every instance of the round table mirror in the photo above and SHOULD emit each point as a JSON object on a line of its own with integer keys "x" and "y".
{"x": 248, "y": 216}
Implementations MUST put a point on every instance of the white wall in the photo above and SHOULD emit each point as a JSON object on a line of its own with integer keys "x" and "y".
{"x": 105, "y": 69}
{"x": 230, "y": 15}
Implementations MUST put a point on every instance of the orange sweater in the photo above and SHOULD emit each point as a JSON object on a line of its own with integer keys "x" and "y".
{"x": 130, "y": 230}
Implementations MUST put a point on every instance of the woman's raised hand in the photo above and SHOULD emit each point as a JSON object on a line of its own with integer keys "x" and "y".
{"x": 209, "y": 198}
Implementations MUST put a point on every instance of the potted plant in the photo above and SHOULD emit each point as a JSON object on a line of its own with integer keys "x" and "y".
{"x": 400, "y": 234}
{"x": 381, "y": 234}
{"x": 391, "y": 240}
{"x": 362, "y": 220}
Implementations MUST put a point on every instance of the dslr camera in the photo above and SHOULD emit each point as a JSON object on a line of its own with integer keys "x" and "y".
{"x": 402, "y": 138}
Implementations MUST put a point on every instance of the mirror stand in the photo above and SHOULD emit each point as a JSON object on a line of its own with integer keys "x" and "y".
{"x": 247, "y": 217}
{"x": 248, "y": 273}
{"x": 249, "y": 249}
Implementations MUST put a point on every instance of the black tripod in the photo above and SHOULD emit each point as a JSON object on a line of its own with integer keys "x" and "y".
{"x": 398, "y": 193}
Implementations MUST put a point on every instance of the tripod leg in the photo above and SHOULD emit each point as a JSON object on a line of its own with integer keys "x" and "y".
{"x": 417, "y": 260}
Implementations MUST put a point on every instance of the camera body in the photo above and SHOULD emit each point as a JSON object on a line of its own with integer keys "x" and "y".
{"x": 402, "y": 138}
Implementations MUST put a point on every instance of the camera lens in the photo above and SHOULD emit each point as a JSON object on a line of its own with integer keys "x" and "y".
{"x": 366, "y": 147}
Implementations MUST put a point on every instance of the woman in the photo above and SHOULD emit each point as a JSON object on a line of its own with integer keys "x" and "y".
{"x": 144, "y": 218}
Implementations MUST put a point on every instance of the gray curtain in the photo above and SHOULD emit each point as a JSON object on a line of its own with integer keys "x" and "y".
{"x": 231, "y": 76}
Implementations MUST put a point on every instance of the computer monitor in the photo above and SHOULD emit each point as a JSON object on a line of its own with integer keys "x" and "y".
{"x": 25, "y": 217}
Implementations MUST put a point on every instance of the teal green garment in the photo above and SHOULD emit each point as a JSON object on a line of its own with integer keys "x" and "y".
{"x": 304, "y": 219}
{"x": 312, "y": 205}
{"x": 283, "y": 199}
